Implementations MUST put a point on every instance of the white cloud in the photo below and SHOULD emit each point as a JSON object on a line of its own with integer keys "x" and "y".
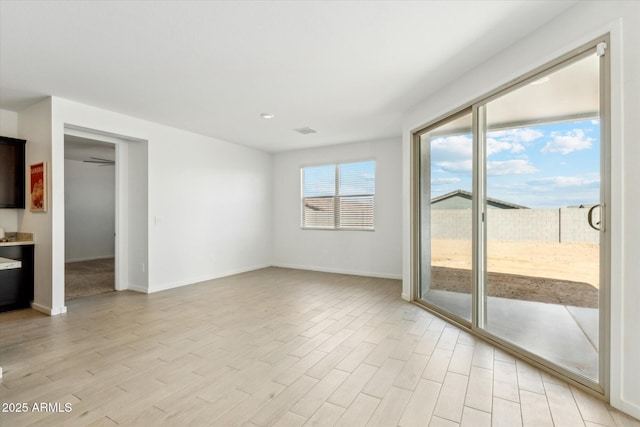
{"x": 513, "y": 140}
{"x": 517, "y": 134}
{"x": 450, "y": 148}
{"x": 595, "y": 122}
{"x": 460, "y": 147}
{"x": 497, "y": 145}
{"x": 440, "y": 181}
{"x": 516, "y": 147}
{"x": 461, "y": 166}
{"x": 510, "y": 167}
{"x": 505, "y": 167}
{"x": 452, "y": 154}
{"x": 574, "y": 140}
{"x": 581, "y": 181}
{"x": 528, "y": 134}
{"x": 549, "y": 192}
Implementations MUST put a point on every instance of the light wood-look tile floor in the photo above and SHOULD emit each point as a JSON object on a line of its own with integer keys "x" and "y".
{"x": 273, "y": 347}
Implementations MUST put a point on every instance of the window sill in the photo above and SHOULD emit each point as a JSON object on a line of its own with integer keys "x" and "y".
{"x": 337, "y": 229}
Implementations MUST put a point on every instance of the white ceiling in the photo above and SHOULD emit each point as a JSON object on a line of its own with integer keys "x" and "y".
{"x": 347, "y": 69}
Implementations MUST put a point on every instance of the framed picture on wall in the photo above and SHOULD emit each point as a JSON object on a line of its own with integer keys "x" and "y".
{"x": 38, "y": 187}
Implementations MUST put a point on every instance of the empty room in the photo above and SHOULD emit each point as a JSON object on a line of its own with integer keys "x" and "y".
{"x": 350, "y": 213}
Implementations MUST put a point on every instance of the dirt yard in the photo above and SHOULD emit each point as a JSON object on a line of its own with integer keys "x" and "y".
{"x": 559, "y": 273}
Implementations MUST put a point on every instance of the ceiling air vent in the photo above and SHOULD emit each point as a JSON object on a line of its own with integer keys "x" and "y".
{"x": 306, "y": 130}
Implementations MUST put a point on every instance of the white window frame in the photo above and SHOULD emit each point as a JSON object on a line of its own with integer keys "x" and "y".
{"x": 337, "y": 197}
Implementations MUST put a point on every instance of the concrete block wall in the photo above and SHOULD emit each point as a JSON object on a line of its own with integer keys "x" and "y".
{"x": 451, "y": 224}
{"x": 575, "y": 228}
{"x": 540, "y": 225}
{"x": 566, "y": 225}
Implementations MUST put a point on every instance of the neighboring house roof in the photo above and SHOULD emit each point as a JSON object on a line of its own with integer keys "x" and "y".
{"x": 467, "y": 195}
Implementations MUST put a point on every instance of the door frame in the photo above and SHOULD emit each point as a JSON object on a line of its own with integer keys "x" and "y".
{"x": 602, "y": 388}
{"x": 121, "y": 203}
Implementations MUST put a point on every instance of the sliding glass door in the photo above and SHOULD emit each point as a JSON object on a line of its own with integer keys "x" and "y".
{"x": 512, "y": 195}
{"x": 446, "y": 215}
{"x": 542, "y": 161}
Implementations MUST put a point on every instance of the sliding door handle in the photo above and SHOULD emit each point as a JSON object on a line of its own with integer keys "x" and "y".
{"x": 590, "y": 218}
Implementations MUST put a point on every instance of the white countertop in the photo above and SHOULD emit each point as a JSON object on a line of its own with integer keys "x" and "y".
{"x": 8, "y": 264}
{"x": 17, "y": 243}
{"x": 17, "y": 239}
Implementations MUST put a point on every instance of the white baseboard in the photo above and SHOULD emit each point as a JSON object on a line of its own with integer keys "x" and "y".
{"x": 627, "y": 407}
{"x": 405, "y": 297}
{"x": 136, "y": 288}
{"x": 49, "y": 310}
{"x": 341, "y": 271}
{"x": 193, "y": 281}
{"x": 89, "y": 258}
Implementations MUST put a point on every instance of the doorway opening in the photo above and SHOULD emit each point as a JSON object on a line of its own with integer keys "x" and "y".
{"x": 90, "y": 209}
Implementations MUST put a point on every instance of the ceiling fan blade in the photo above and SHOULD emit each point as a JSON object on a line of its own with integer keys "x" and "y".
{"x": 100, "y": 161}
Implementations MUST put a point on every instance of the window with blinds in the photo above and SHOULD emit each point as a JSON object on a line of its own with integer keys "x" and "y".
{"x": 339, "y": 196}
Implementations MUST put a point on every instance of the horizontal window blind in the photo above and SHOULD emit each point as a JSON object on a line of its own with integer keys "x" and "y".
{"x": 339, "y": 196}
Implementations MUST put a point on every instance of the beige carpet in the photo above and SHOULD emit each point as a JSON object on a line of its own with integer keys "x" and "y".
{"x": 86, "y": 278}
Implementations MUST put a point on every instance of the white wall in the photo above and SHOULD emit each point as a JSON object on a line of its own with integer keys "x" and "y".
{"x": 89, "y": 220}
{"x": 208, "y": 204}
{"x": 34, "y": 125}
{"x": 133, "y": 192}
{"x": 9, "y": 127}
{"x": 209, "y": 207}
{"x": 8, "y": 123}
{"x": 579, "y": 25}
{"x": 376, "y": 253}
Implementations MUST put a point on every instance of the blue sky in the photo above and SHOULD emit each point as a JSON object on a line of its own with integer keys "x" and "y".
{"x": 546, "y": 166}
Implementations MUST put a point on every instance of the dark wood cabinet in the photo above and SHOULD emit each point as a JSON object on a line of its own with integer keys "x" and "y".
{"x": 12, "y": 172}
{"x": 16, "y": 285}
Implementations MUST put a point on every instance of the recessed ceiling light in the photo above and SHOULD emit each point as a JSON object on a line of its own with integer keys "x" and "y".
{"x": 267, "y": 115}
